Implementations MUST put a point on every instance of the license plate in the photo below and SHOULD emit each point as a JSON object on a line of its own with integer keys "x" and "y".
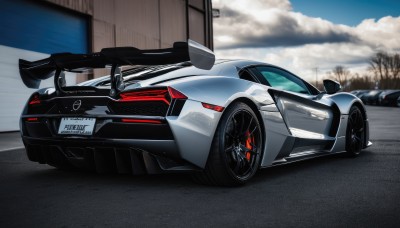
{"x": 76, "y": 126}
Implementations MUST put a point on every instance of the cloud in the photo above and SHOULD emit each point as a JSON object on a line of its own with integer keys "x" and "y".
{"x": 383, "y": 34}
{"x": 269, "y": 31}
{"x": 273, "y": 25}
{"x": 302, "y": 60}
{"x": 254, "y": 5}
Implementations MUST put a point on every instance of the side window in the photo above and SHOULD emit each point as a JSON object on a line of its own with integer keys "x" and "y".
{"x": 283, "y": 80}
{"x": 245, "y": 75}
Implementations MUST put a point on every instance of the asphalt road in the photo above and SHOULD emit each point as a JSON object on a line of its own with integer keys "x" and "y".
{"x": 332, "y": 191}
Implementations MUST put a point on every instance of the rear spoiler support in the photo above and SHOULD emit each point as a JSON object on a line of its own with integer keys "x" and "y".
{"x": 32, "y": 73}
{"x": 117, "y": 81}
{"x": 59, "y": 80}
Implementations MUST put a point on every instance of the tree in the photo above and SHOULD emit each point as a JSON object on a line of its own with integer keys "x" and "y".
{"x": 340, "y": 73}
{"x": 386, "y": 68}
{"x": 361, "y": 82}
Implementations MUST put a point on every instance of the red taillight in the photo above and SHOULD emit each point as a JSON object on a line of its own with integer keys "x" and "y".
{"x": 141, "y": 121}
{"x": 175, "y": 94}
{"x": 32, "y": 119}
{"x": 213, "y": 107}
{"x": 146, "y": 95}
{"x": 34, "y": 100}
{"x": 152, "y": 95}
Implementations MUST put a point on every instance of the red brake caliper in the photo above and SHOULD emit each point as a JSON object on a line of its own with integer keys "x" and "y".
{"x": 249, "y": 141}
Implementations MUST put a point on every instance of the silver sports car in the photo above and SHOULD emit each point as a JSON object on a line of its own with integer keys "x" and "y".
{"x": 178, "y": 109}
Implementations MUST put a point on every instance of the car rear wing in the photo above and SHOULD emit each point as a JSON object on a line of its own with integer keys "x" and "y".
{"x": 32, "y": 73}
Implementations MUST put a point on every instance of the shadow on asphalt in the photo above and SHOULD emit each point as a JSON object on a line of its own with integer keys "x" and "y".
{"x": 179, "y": 179}
{"x": 331, "y": 191}
{"x": 86, "y": 177}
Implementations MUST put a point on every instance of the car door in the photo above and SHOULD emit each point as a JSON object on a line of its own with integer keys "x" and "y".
{"x": 309, "y": 119}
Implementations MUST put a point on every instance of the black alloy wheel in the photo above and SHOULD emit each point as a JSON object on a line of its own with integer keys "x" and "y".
{"x": 355, "y": 133}
{"x": 236, "y": 150}
{"x": 242, "y": 144}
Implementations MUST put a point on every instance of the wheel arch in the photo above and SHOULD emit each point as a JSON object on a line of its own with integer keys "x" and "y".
{"x": 366, "y": 127}
{"x": 362, "y": 108}
{"x": 344, "y": 102}
{"x": 255, "y": 109}
{"x": 253, "y": 106}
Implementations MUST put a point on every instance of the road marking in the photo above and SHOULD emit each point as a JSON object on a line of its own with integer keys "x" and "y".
{"x": 12, "y": 148}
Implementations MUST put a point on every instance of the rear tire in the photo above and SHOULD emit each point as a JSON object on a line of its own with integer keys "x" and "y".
{"x": 355, "y": 133}
{"x": 236, "y": 148}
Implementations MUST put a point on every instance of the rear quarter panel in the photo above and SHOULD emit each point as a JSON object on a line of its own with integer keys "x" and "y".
{"x": 195, "y": 127}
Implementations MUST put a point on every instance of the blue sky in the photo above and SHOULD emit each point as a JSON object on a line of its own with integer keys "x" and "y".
{"x": 348, "y": 12}
{"x": 301, "y": 35}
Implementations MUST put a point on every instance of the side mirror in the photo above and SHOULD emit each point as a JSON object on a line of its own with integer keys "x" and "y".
{"x": 331, "y": 86}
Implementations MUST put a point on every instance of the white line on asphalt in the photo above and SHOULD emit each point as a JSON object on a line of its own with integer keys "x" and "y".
{"x": 12, "y": 148}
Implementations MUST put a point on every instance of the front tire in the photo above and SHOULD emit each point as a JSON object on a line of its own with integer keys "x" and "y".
{"x": 236, "y": 149}
{"x": 355, "y": 133}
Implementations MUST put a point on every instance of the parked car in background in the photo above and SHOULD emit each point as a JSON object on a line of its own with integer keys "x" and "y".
{"x": 371, "y": 98}
{"x": 389, "y": 97}
{"x": 398, "y": 102}
{"x": 359, "y": 93}
{"x": 381, "y": 95}
{"x": 355, "y": 92}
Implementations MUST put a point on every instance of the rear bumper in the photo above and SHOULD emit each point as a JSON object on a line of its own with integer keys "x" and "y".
{"x": 114, "y": 146}
{"x": 107, "y": 155}
{"x": 185, "y": 138}
{"x": 158, "y": 147}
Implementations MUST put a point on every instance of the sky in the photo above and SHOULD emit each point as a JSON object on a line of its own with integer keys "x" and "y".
{"x": 302, "y": 35}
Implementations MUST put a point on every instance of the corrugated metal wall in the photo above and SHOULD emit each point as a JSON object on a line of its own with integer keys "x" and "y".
{"x": 146, "y": 24}
{"x": 173, "y": 28}
{"x": 83, "y": 6}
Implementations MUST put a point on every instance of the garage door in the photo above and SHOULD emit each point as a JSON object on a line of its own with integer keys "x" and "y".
{"x": 32, "y": 30}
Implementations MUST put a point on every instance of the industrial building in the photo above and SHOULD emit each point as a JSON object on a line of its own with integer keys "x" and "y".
{"x": 32, "y": 30}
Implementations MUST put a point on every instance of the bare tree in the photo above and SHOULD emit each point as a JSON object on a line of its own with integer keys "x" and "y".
{"x": 395, "y": 69}
{"x": 341, "y": 73}
{"x": 386, "y": 69}
{"x": 361, "y": 82}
